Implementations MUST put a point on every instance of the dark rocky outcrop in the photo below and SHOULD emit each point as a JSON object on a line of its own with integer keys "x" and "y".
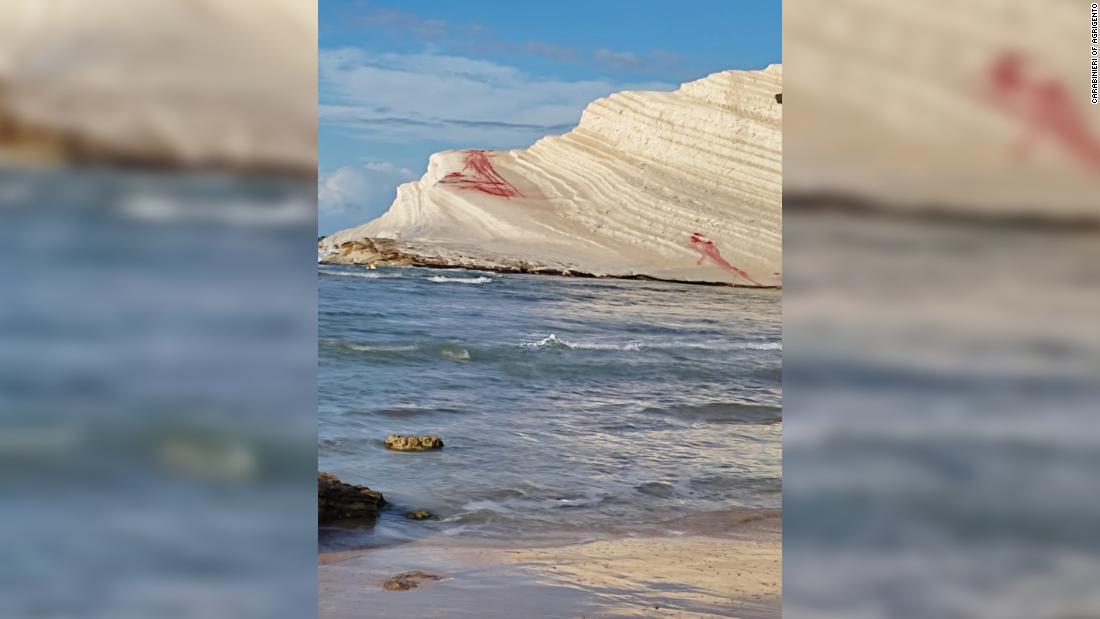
{"x": 398, "y": 442}
{"x": 408, "y": 580}
{"x": 339, "y": 501}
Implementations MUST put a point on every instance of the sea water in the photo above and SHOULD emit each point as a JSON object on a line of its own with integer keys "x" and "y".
{"x": 157, "y": 395}
{"x": 570, "y": 408}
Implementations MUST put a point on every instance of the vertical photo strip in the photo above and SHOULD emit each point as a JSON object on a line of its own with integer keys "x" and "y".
{"x": 549, "y": 321}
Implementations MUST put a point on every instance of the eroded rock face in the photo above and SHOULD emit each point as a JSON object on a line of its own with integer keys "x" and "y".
{"x": 339, "y": 501}
{"x": 398, "y": 442}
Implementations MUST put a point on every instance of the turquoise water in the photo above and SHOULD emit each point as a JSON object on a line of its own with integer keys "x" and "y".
{"x": 569, "y": 407}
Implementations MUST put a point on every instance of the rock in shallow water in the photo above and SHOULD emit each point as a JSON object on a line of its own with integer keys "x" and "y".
{"x": 419, "y": 515}
{"x": 408, "y": 580}
{"x": 399, "y": 442}
{"x": 339, "y": 501}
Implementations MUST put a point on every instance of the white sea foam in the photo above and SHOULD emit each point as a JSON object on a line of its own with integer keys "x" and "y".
{"x": 553, "y": 341}
{"x": 227, "y": 211}
{"x": 391, "y": 348}
{"x": 718, "y": 346}
{"x": 363, "y": 274}
{"x": 460, "y": 280}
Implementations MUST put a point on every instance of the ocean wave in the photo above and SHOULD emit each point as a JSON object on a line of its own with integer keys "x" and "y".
{"x": 722, "y": 412}
{"x": 226, "y": 211}
{"x": 718, "y": 346}
{"x": 476, "y": 510}
{"x": 365, "y": 274}
{"x": 455, "y": 353}
{"x": 384, "y": 348}
{"x": 460, "y": 280}
{"x": 439, "y": 279}
{"x": 552, "y": 341}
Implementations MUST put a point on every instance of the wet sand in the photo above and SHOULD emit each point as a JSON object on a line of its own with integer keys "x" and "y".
{"x": 732, "y": 573}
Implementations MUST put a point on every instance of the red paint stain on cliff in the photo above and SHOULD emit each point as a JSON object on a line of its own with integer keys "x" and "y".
{"x": 1043, "y": 105}
{"x": 478, "y": 174}
{"x": 707, "y": 249}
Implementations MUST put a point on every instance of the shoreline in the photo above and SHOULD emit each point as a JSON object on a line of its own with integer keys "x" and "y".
{"x": 713, "y": 571}
{"x": 533, "y": 270}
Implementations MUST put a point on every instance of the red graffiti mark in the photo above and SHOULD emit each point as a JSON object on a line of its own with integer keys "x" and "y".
{"x": 478, "y": 174}
{"x": 1044, "y": 106}
{"x": 707, "y": 249}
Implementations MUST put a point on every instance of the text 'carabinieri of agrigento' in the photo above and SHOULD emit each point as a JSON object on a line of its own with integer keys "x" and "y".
{"x": 1094, "y": 59}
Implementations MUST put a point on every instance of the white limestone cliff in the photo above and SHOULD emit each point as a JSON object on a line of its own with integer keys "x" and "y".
{"x": 682, "y": 185}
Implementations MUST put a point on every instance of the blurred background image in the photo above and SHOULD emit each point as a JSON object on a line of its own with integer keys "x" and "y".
{"x": 941, "y": 349}
{"x": 157, "y": 313}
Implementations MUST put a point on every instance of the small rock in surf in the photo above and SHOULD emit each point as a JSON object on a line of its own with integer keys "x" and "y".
{"x": 408, "y": 580}
{"x": 398, "y": 442}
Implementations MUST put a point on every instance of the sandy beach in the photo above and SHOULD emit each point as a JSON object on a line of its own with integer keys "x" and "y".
{"x": 735, "y": 573}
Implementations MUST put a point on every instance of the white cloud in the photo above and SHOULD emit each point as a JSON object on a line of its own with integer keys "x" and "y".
{"x": 364, "y": 191}
{"x": 658, "y": 61}
{"x": 475, "y": 103}
{"x": 619, "y": 60}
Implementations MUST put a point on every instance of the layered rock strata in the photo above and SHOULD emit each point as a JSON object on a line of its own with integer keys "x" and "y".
{"x": 682, "y": 185}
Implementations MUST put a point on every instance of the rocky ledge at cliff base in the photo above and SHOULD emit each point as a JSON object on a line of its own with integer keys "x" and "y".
{"x": 339, "y": 501}
{"x": 681, "y": 186}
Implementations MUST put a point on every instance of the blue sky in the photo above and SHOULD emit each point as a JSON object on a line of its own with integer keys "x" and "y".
{"x": 401, "y": 80}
